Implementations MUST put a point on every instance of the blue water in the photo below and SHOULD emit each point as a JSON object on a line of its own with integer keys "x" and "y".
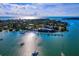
{"x": 50, "y": 45}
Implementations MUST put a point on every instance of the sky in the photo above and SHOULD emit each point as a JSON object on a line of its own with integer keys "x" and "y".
{"x": 39, "y": 9}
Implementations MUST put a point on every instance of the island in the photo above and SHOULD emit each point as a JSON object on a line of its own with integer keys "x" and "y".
{"x": 40, "y": 25}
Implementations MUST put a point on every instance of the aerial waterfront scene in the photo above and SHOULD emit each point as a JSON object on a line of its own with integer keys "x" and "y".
{"x": 39, "y": 29}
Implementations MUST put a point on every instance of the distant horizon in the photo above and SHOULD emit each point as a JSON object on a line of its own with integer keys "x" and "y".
{"x": 49, "y": 17}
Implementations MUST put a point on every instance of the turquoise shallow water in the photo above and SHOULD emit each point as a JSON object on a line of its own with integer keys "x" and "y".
{"x": 46, "y": 43}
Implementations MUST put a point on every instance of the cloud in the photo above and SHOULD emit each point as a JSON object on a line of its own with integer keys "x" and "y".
{"x": 39, "y": 9}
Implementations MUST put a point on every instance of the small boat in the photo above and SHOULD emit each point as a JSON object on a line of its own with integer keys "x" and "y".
{"x": 22, "y": 32}
{"x": 35, "y": 53}
{"x": 1, "y": 39}
{"x": 21, "y": 44}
